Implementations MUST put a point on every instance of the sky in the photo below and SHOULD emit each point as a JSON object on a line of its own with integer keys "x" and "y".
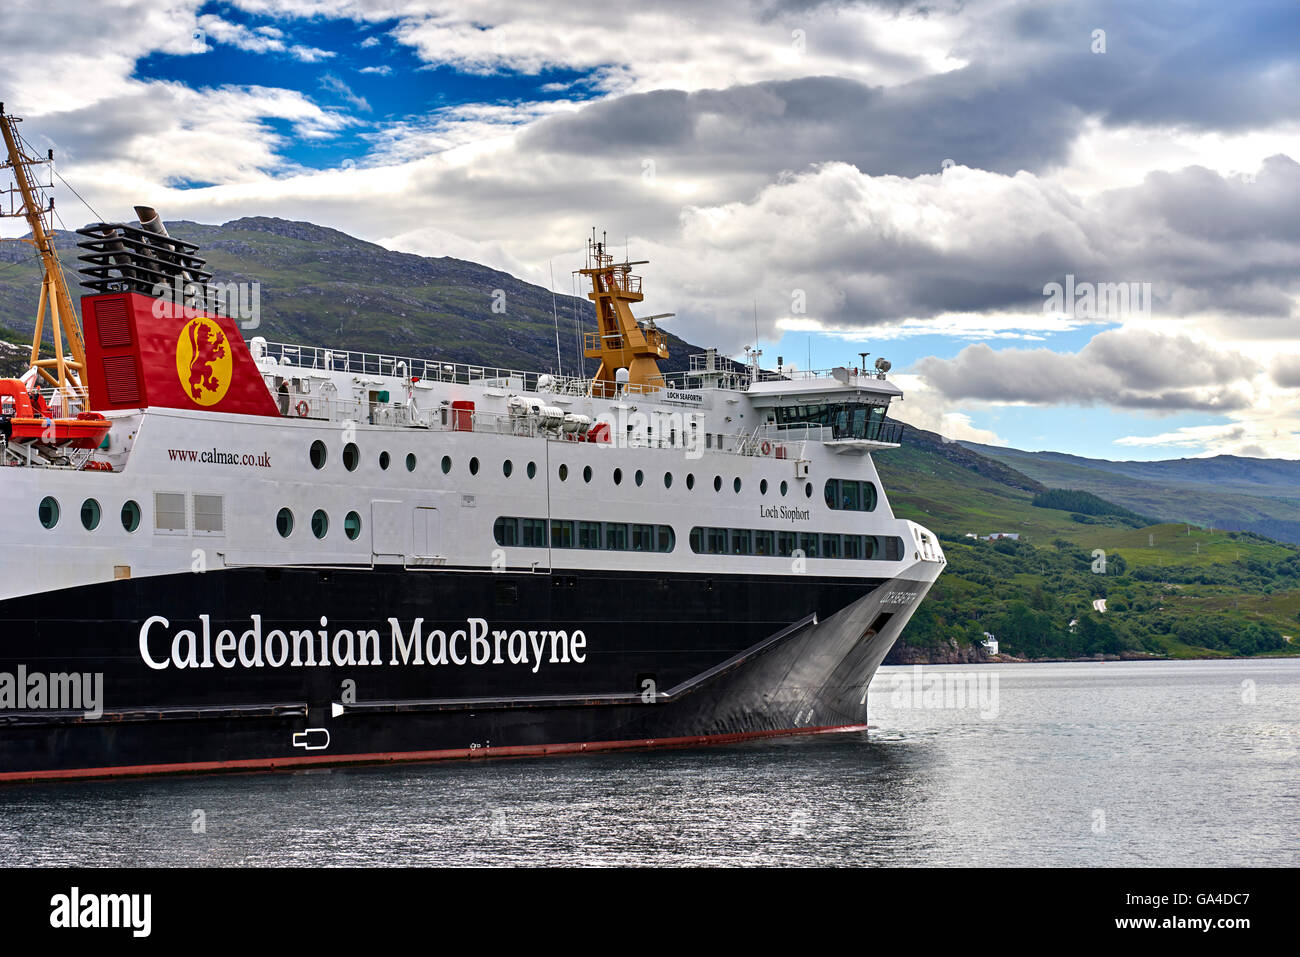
{"x": 1068, "y": 225}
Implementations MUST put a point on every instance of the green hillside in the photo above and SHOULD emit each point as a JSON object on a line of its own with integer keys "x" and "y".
{"x": 1225, "y": 491}
{"x": 1170, "y": 589}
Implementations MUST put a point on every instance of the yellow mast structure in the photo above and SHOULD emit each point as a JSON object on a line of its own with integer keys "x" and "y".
{"x": 64, "y": 370}
{"x": 620, "y": 340}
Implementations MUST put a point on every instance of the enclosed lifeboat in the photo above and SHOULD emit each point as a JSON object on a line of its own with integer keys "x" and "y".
{"x": 26, "y": 417}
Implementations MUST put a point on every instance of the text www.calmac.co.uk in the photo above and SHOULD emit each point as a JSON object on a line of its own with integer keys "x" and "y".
{"x": 261, "y": 460}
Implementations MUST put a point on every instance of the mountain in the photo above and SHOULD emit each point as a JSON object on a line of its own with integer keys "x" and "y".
{"x": 322, "y": 287}
{"x": 1225, "y": 491}
{"x": 1170, "y": 589}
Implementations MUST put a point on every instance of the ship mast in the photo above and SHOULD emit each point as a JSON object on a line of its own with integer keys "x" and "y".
{"x": 64, "y": 370}
{"x": 620, "y": 340}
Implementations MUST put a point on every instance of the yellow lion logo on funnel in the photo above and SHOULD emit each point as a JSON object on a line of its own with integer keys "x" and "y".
{"x": 203, "y": 361}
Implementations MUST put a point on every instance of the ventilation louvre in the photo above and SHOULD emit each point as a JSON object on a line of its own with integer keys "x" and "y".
{"x": 121, "y": 380}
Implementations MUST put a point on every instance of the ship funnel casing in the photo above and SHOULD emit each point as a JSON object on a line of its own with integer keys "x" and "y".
{"x": 150, "y": 220}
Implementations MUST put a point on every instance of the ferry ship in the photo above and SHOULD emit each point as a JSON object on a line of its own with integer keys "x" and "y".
{"x": 244, "y": 555}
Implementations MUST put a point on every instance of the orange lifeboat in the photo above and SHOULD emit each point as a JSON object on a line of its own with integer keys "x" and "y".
{"x": 27, "y": 418}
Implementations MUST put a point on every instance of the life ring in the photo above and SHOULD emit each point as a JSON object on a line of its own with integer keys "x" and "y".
{"x": 302, "y": 408}
{"x": 766, "y": 447}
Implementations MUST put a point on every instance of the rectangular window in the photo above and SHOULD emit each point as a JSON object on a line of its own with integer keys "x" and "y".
{"x": 717, "y": 541}
{"x": 589, "y": 535}
{"x": 561, "y": 533}
{"x": 740, "y": 541}
{"x": 534, "y": 533}
{"x": 786, "y": 543}
{"x": 764, "y": 542}
{"x": 642, "y": 538}
{"x": 808, "y": 542}
{"x": 169, "y": 512}
{"x": 852, "y": 496}
{"x": 697, "y": 540}
{"x": 830, "y": 546}
{"x": 852, "y": 546}
{"x": 208, "y": 514}
{"x": 615, "y": 537}
{"x": 894, "y": 549}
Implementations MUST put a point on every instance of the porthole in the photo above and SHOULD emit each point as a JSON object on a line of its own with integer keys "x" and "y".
{"x": 320, "y": 523}
{"x": 563, "y": 472}
{"x": 410, "y": 461}
{"x": 318, "y": 454}
{"x": 717, "y": 483}
{"x": 586, "y": 473}
{"x": 507, "y": 467}
{"x": 532, "y": 470}
{"x": 668, "y": 480}
{"x": 473, "y": 466}
{"x": 90, "y": 515}
{"x": 618, "y": 476}
{"x": 384, "y": 460}
{"x": 131, "y": 516}
{"x": 807, "y": 490}
{"x": 284, "y": 523}
{"x": 762, "y": 487}
{"x": 48, "y": 512}
{"x": 446, "y": 464}
{"x": 690, "y": 480}
{"x": 351, "y": 456}
{"x": 352, "y": 526}
{"x": 785, "y": 487}
{"x": 640, "y": 477}
{"x": 736, "y": 484}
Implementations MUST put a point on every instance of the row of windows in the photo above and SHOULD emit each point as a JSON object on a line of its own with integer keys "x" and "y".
{"x": 320, "y": 523}
{"x": 851, "y": 495}
{"x": 756, "y": 541}
{"x": 351, "y": 457}
{"x": 569, "y": 533}
{"x": 169, "y": 513}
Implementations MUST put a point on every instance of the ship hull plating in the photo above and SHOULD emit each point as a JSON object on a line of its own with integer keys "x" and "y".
{"x": 281, "y": 668}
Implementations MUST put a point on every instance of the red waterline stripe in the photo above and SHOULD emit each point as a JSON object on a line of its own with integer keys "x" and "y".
{"x": 385, "y": 757}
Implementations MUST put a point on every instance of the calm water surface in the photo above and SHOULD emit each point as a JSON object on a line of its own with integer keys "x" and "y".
{"x": 1125, "y": 763}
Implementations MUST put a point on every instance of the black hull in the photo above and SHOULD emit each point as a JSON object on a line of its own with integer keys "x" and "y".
{"x": 666, "y": 661}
